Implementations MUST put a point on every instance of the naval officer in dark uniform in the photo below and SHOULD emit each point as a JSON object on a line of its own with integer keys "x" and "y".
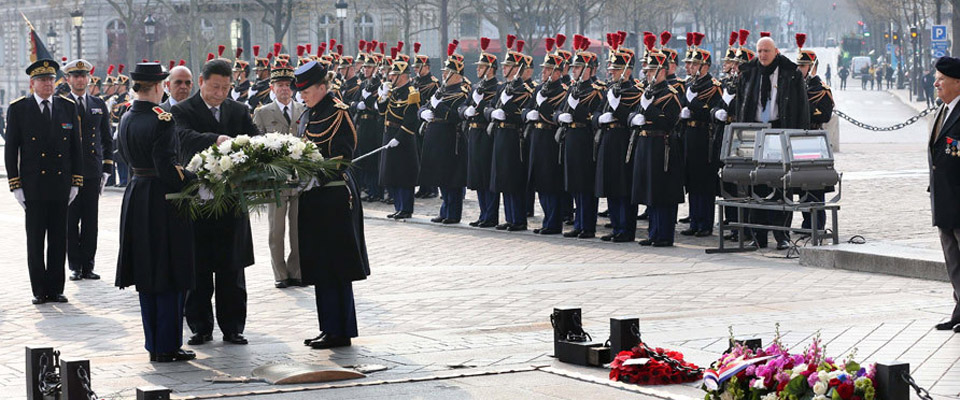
{"x": 44, "y": 169}
{"x": 156, "y": 241}
{"x": 331, "y": 216}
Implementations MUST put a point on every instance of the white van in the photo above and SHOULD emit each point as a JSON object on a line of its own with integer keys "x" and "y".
{"x": 857, "y": 64}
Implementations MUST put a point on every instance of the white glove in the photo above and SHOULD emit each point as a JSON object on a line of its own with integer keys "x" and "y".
{"x": 606, "y": 118}
{"x": 566, "y": 118}
{"x": 204, "y": 193}
{"x": 727, "y": 96}
{"x": 364, "y": 93}
{"x": 383, "y": 90}
{"x": 393, "y": 143}
{"x": 73, "y": 194}
{"x": 533, "y": 115}
{"x": 426, "y": 115}
{"x": 573, "y": 102}
{"x": 505, "y": 97}
{"x": 18, "y": 194}
{"x": 498, "y": 115}
{"x": 361, "y": 106}
{"x": 638, "y": 120}
{"x": 434, "y": 101}
{"x": 691, "y": 95}
{"x": 103, "y": 181}
{"x": 540, "y": 97}
{"x": 613, "y": 100}
{"x": 477, "y": 96}
{"x": 645, "y": 101}
{"x": 721, "y": 115}
{"x": 685, "y": 113}
{"x": 470, "y": 111}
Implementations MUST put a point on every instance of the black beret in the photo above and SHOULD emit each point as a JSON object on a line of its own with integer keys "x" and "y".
{"x": 949, "y": 66}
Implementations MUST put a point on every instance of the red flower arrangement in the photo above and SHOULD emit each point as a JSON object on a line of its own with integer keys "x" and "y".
{"x": 663, "y": 367}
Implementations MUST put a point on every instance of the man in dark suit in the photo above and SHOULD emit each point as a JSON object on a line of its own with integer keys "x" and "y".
{"x": 43, "y": 161}
{"x": 97, "y": 150}
{"x": 178, "y": 84}
{"x": 944, "y": 159}
{"x": 224, "y": 244}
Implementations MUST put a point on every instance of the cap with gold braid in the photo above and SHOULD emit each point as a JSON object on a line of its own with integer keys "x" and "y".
{"x": 655, "y": 59}
{"x": 397, "y": 66}
{"x": 109, "y": 80}
{"x": 688, "y": 55}
{"x": 804, "y": 57}
{"x": 420, "y": 60}
{"x": 744, "y": 54}
{"x": 516, "y": 57}
{"x": 240, "y": 65}
{"x": 94, "y": 80}
{"x": 620, "y": 57}
{"x": 43, "y": 67}
{"x": 583, "y": 58}
{"x": 281, "y": 70}
{"x": 78, "y": 66}
{"x": 454, "y": 61}
{"x": 262, "y": 63}
{"x": 695, "y": 54}
{"x": 672, "y": 54}
{"x": 559, "y": 40}
{"x": 552, "y": 59}
{"x": 731, "y": 54}
{"x": 121, "y": 78}
{"x": 487, "y": 59}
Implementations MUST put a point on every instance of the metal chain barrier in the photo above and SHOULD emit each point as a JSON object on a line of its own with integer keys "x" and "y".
{"x": 921, "y": 392}
{"x": 49, "y": 376}
{"x": 85, "y": 381}
{"x": 908, "y": 122}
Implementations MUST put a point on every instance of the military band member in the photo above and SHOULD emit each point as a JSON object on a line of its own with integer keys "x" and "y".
{"x": 350, "y": 86}
{"x": 281, "y": 116}
{"x": 427, "y": 85}
{"x": 161, "y": 264}
{"x": 400, "y": 163}
{"x": 701, "y": 142}
{"x": 821, "y": 110}
{"x": 479, "y": 141}
{"x": 613, "y": 174}
{"x": 443, "y": 162}
{"x": 45, "y": 171}
{"x": 331, "y": 216}
{"x": 576, "y": 138}
{"x": 509, "y": 166}
{"x": 657, "y": 158}
{"x": 97, "y": 150}
{"x": 368, "y": 125}
{"x": 260, "y": 93}
{"x": 241, "y": 84}
{"x": 545, "y": 174}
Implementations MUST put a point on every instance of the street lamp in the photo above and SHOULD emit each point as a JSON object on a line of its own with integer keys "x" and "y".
{"x": 77, "y": 17}
{"x": 341, "y": 7}
{"x": 52, "y": 40}
{"x": 150, "y": 29}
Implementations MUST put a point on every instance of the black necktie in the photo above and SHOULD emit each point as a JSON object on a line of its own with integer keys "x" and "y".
{"x": 286, "y": 116}
{"x": 80, "y": 104}
{"x": 45, "y": 110}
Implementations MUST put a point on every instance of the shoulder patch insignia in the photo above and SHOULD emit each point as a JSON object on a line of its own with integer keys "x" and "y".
{"x": 162, "y": 115}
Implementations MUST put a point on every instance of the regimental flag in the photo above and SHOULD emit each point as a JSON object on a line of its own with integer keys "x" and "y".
{"x": 38, "y": 50}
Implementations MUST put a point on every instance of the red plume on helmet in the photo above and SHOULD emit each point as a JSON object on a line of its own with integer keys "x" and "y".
{"x": 120, "y": 68}
{"x": 239, "y": 52}
{"x": 400, "y": 46}
{"x": 623, "y": 37}
{"x": 484, "y": 43}
{"x": 64, "y": 59}
{"x": 393, "y": 52}
{"x": 520, "y": 44}
{"x": 269, "y": 56}
{"x": 665, "y": 37}
{"x": 370, "y": 46}
{"x": 322, "y": 48}
{"x": 309, "y": 48}
{"x": 698, "y": 38}
{"x": 277, "y": 47}
{"x": 577, "y": 41}
{"x": 585, "y": 43}
{"x": 649, "y": 40}
{"x": 689, "y": 39}
{"x": 182, "y": 62}
{"x": 156, "y": 61}
{"x": 609, "y": 40}
{"x": 615, "y": 40}
{"x": 733, "y": 38}
{"x": 457, "y": 42}
{"x": 220, "y": 49}
{"x": 300, "y": 49}
{"x": 801, "y": 39}
{"x": 111, "y": 68}
{"x": 764, "y": 34}
{"x": 548, "y": 43}
{"x": 510, "y": 40}
{"x": 560, "y": 40}
{"x": 92, "y": 69}
{"x": 416, "y": 47}
{"x": 256, "y": 51}
{"x": 383, "y": 47}
{"x": 452, "y": 47}
{"x": 362, "y": 45}
{"x": 333, "y": 42}
{"x": 742, "y": 37}
{"x": 209, "y": 56}
{"x": 172, "y": 63}
{"x": 339, "y": 49}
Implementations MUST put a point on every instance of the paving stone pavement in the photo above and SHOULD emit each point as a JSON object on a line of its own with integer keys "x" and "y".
{"x": 444, "y": 299}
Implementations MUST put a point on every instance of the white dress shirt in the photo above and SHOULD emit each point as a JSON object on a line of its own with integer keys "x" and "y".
{"x": 772, "y": 105}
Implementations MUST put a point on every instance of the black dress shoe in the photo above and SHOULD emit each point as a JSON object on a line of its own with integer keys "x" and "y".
{"x": 429, "y": 195}
{"x": 487, "y": 224}
{"x": 684, "y": 220}
{"x": 568, "y": 221}
{"x": 703, "y": 233}
{"x": 57, "y": 298}
{"x": 504, "y": 226}
{"x": 200, "y": 338}
{"x": 38, "y": 300}
{"x": 643, "y": 216}
{"x": 645, "y": 242}
{"x": 329, "y": 342}
{"x": 606, "y": 238}
{"x": 572, "y": 233}
{"x": 549, "y": 231}
{"x": 392, "y": 215}
{"x": 306, "y": 342}
{"x": 476, "y": 223}
{"x": 783, "y": 245}
{"x": 732, "y": 237}
{"x": 517, "y": 228}
{"x": 450, "y": 221}
{"x": 179, "y": 355}
{"x": 282, "y": 284}
{"x": 622, "y": 238}
{"x": 437, "y": 219}
{"x": 235, "y": 338}
{"x": 688, "y": 232}
{"x": 90, "y": 275}
{"x": 403, "y": 215}
{"x": 758, "y": 245}
{"x": 586, "y": 235}
{"x": 418, "y": 195}
{"x": 946, "y": 326}
{"x": 387, "y": 200}
{"x": 76, "y": 276}
{"x": 662, "y": 243}
{"x": 296, "y": 282}
{"x": 604, "y": 213}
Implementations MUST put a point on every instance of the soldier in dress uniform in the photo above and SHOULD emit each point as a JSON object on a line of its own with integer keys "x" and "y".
{"x": 545, "y": 173}
{"x": 331, "y": 215}
{"x": 45, "y": 171}
{"x": 160, "y": 265}
{"x": 109, "y": 85}
{"x": 96, "y": 85}
{"x": 118, "y": 104}
{"x": 400, "y": 163}
{"x": 725, "y": 112}
{"x": 443, "y": 162}
{"x": 509, "y": 164}
{"x": 566, "y": 199}
{"x": 479, "y": 141}
{"x": 821, "y": 110}
{"x": 260, "y": 93}
{"x": 613, "y": 173}
{"x": 369, "y": 129}
{"x": 701, "y": 141}
{"x": 576, "y": 137}
{"x": 350, "y": 86}
{"x": 657, "y": 158}
{"x": 427, "y": 85}
{"x": 241, "y": 85}
{"x": 97, "y": 150}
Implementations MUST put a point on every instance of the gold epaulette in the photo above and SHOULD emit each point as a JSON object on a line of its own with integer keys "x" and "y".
{"x": 18, "y": 99}
{"x": 414, "y": 96}
{"x": 67, "y": 99}
{"x": 162, "y": 115}
{"x": 716, "y": 82}
{"x": 672, "y": 89}
{"x": 340, "y": 104}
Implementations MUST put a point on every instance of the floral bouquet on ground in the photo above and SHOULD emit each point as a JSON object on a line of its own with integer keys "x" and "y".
{"x": 245, "y": 172}
{"x": 653, "y": 366}
{"x": 775, "y": 374}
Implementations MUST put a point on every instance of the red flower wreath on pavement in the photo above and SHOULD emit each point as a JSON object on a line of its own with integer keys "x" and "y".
{"x": 657, "y": 371}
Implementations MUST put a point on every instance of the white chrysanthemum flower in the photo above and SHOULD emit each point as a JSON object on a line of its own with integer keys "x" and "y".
{"x": 314, "y": 156}
{"x": 242, "y": 139}
{"x": 226, "y": 147}
{"x": 296, "y": 154}
{"x": 239, "y": 157}
{"x": 195, "y": 163}
{"x": 226, "y": 163}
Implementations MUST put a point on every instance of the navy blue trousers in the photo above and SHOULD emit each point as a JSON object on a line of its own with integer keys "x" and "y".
{"x": 701, "y": 212}
{"x": 586, "y": 212}
{"x": 566, "y": 205}
{"x": 623, "y": 216}
{"x": 162, "y": 315}
{"x": 489, "y": 206}
{"x": 514, "y": 208}
{"x": 371, "y": 182}
{"x": 335, "y": 308}
{"x": 452, "y": 205}
{"x": 663, "y": 223}
{"x": 402, "y": 198}
{"x": 552, "y": 210}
